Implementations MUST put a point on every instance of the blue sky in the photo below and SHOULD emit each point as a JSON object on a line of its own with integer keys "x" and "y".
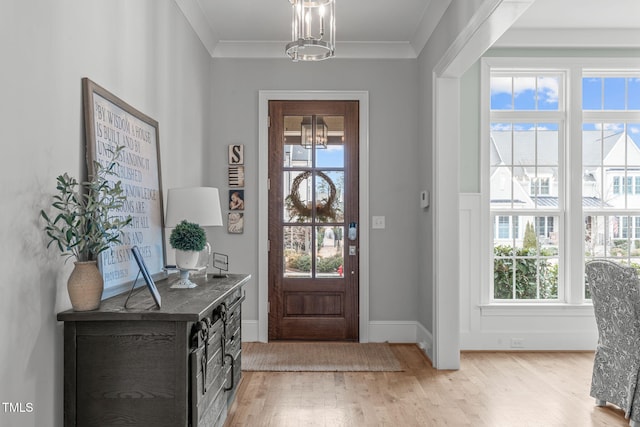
{"x": 541, "y": 93}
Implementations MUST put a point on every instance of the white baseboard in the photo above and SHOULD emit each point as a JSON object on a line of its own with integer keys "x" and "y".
{"x": 250, "y": 331}
{"x": 532, "y": 341}
{"x": 424, "y": 339}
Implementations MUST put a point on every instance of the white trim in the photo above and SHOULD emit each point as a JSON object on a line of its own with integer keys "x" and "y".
{"x": 534, "y": 310}
{"x": 249, "y": 331}
{"x": 198, "y": 21}
{"x": 446, "y": 319}
{"x": 393, "y": 331}
{"x": 485, "y": 27}
{"x": 566, "y": 340}
{"x": 344, "y": 50}
{"x": 570, "y": 38}
{"x": 263, "y": 198}
{"x": 424, "y": 339}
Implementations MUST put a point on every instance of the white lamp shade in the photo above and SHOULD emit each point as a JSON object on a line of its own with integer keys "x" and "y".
{"x": 200, "y": 205}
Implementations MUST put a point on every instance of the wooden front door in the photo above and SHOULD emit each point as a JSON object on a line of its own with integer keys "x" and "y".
{"x": 313, "y": 203}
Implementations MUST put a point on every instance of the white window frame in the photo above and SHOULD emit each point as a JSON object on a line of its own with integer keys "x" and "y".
{"x": 571, "y": 300}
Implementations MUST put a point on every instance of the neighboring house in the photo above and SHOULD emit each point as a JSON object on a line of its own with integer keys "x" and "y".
{"x": 609, "y": 185}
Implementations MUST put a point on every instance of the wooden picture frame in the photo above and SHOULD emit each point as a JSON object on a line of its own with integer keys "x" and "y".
{"x": 110, "y": 122}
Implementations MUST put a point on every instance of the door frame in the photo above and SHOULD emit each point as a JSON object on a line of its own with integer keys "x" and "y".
{"x": 264, "y": 96}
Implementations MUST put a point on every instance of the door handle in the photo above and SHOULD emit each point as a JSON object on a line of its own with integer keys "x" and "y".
{"x": 353, "y": 231}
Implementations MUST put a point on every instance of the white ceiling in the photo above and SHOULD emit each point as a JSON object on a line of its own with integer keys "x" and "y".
{"x": 400, "y": 28}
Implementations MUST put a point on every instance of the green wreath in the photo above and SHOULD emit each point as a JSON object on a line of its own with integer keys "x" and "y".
{"x": 301, "y": 211}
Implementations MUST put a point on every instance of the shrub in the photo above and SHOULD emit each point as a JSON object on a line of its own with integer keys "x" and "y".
{"x": 188, "y": 236}
{"x": 529, "y": 274}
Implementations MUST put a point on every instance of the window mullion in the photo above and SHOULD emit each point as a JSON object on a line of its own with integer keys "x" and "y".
{"x": 574, "y": 250}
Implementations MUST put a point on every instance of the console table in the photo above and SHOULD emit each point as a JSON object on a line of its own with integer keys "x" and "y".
{"x": 142, "y": 366}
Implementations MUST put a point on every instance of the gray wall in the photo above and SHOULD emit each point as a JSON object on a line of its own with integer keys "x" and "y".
{"x": 142, "y": 51}
{"x": 393, "y": 163}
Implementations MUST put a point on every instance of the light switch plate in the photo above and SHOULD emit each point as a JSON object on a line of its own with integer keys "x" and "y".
{"x": 378, "y": 222}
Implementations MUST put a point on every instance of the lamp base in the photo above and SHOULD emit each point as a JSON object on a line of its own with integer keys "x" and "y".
{"x": 184, "y": 282}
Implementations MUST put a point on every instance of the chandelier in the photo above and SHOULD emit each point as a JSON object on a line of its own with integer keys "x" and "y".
{"x": 313, "y": 30}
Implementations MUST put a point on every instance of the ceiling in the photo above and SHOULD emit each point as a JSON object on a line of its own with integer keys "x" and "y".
{"x": 400, "y": 28}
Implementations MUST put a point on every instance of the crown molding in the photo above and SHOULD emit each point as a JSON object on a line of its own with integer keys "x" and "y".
{"x": 196, "y": 18}
{"x": 432, "y": 16}
{"x": 275, "y": 49}
{"x": 570, "y": 38}
{"x": 344, "y": 50}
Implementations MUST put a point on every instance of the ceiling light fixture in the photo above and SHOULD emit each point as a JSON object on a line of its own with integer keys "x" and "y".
{"x": 313, "y": 30}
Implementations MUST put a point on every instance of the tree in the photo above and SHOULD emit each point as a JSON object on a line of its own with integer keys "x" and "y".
{"x": 530, "y": 238}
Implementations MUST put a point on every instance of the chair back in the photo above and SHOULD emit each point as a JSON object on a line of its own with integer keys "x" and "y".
{"x": 615, "y": 292}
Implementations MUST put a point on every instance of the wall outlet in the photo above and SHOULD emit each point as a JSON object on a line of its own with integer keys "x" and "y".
{"x": 517, "y": 342}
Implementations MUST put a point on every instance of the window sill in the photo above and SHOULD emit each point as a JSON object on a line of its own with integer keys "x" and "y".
{"x": 538, "y": 309}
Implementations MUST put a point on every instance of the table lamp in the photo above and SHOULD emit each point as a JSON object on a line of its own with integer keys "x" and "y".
{"x": 199, "y": 205}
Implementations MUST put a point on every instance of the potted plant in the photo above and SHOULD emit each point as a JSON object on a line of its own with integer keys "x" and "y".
{"x": 188, "y": 239}
{"x": 87, "y": 223}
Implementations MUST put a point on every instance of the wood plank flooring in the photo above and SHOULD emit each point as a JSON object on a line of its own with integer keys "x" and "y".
{"x": 493, "y": 389}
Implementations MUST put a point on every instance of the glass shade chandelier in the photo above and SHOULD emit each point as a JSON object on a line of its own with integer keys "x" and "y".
{"x": 313, "y": 30}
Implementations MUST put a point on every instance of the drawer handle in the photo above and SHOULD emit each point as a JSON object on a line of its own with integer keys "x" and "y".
{"x": 232, "y": 372}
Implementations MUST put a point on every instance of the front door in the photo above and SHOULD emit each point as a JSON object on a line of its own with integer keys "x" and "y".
{"x": 313, "y": 220}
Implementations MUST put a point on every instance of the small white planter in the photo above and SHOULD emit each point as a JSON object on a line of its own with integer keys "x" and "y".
{"x": 187, "y": 260}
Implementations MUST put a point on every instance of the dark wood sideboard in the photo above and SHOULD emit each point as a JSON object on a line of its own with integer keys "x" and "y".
{"x": 142, "y": 366}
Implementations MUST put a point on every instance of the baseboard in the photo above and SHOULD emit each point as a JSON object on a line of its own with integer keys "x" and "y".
{"x": 530, "y": 341}
{"x": 424, "y": 339}
{"x": 250, "y": 331}
{"x": 392, "y": 331}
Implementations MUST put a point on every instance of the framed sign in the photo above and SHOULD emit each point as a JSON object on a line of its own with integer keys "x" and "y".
{"x": 110, "y": 122}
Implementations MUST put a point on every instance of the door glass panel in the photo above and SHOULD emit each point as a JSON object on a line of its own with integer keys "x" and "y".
{"x": 297, "y": 251}
{"x": 331, "y": 153}
{"x": 297, "y": 202}
{"x": 296, "y": 154}
{"x": 330, "y": 251}
{"x": 329, "y": 196}
{"x": 313, "y": 189}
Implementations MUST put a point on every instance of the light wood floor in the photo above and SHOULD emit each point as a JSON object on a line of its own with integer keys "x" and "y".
{"x": 491, "y": 389}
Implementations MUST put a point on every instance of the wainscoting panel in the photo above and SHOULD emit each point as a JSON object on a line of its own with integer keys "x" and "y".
{"x": 486, "y": 326}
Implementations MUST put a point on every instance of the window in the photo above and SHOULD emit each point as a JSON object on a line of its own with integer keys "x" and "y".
{"x": 527, "y": 128}
{"x": 611, "y": 155}
{"x": 537, "y": 161}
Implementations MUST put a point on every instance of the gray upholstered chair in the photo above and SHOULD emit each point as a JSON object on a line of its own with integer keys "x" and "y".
{"x": 615, "y": 291}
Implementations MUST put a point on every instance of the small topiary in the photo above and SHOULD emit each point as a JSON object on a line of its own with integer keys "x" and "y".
{"x": 188, "y": 236}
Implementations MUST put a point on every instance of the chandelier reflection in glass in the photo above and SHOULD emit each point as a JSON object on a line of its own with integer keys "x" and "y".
{"x": 313, "y": 30}
{"x": 307, "y": 132}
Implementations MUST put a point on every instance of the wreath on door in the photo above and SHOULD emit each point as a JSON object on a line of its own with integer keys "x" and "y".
{"x": 325, "y": 209}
